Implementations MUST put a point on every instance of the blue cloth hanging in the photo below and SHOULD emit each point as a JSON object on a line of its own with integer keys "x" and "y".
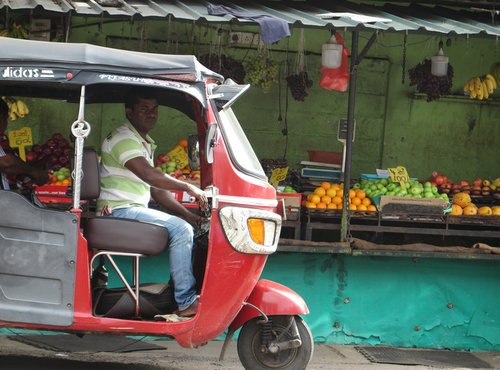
{"x": 272, "y": 29}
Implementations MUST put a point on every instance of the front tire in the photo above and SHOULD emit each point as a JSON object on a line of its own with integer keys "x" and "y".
{"x": 250, "y": 349}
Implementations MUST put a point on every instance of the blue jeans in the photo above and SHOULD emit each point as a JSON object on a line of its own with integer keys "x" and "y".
{"x": 180, "y": 249}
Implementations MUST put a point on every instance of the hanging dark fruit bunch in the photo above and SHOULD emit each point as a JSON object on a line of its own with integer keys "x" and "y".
{"x": 298, "y": 83}
{"x": 225, "y": 65}
{"x": 427, "y": 83}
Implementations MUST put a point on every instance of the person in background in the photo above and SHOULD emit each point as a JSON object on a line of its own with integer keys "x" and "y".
{"x": 11, "y": 166}
{"x": 129, "y": 180}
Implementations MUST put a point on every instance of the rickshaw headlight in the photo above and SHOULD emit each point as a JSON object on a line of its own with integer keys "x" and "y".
{"x": 251, "y": 230}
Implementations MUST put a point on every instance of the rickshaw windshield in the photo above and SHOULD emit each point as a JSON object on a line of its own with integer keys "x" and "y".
{"x": 240, "y": 149}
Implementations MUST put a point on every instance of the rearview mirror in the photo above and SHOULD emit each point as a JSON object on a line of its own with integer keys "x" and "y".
{"x": 210, "y": 143}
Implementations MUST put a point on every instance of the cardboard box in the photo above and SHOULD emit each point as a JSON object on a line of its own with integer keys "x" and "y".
{"x": 291, "y": 199}
{"x": 292, "y": 204}
{"x": 411, "y": 205}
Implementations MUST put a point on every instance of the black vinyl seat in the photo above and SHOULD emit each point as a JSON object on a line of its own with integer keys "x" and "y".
{"x": 113, "y": 236}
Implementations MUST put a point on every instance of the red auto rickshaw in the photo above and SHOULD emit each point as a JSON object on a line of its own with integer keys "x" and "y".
{"x": 48, "y": 256}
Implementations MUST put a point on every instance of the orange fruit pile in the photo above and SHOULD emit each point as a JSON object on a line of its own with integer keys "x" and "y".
{"x": 330, "y": 196}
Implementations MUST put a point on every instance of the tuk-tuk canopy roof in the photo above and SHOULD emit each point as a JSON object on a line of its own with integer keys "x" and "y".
{"x": 102, "y": 59}
{"x": 445, "y": 17}
{"x": 59, "y": 70}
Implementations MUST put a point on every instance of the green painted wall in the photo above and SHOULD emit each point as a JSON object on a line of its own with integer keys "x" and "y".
{"x": 425, "y": 303}
{"x": 457, "y": 137}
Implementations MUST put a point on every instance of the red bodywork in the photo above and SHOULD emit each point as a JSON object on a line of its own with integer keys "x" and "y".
{"x": 231, "y": 278}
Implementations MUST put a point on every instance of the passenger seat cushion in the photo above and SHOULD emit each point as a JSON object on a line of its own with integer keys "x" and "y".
{"x": 124, "y": 235}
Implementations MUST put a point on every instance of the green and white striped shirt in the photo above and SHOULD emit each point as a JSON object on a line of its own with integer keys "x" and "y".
{"x": 120, "y": 187}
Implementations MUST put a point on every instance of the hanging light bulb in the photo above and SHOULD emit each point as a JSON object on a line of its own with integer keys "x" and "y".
{"x": 331, "y": 53}
{"x": 439, "y": 63}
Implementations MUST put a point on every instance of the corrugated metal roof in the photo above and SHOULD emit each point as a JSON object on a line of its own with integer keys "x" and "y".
{"x": 308, "y": 13}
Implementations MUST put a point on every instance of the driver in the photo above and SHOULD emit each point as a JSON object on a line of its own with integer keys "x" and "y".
{"x": 11, "y": 166}
{"x": 129, "y": 179}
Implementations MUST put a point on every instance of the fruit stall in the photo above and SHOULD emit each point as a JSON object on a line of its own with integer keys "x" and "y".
{"x": 379, "y": 261}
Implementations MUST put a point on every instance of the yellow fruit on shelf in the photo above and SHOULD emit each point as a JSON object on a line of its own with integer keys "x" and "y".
{"x": 484, "y": 211}
{"x": 326, "y": 185}
{"x": 361, "y": 207}
{"x": 326, "y": 199}
{"x": 315, "y": 199}
{"x": 320, "y": 191}
{"x": 462, "y": 199}
{"x": 331, "y": 192}
{"x": 456, "y": 210}
{"x": 470, "y": 210}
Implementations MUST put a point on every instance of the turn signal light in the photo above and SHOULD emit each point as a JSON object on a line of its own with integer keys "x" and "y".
{"x": 257, "y": 230}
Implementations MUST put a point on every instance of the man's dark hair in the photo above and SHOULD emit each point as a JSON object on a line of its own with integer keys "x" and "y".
{"x": 4, "y": 108}
{"x": 139, "y": 93}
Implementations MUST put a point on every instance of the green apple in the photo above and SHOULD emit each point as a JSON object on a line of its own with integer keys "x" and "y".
{"x": 415, "y": 190}
{"x": 402, "y": 193}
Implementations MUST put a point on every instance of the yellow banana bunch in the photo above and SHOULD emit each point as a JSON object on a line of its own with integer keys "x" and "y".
{"x": 480, "y": 87}
{"x": 17, "y": 108}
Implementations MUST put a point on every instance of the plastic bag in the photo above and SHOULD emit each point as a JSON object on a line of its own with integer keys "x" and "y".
{"x": 337, "y": 78}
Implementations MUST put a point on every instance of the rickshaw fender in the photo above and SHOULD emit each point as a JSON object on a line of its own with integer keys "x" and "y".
{"x": 273, "y": 299}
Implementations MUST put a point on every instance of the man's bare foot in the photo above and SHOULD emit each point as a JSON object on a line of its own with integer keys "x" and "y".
{"x": 190, "y": 311}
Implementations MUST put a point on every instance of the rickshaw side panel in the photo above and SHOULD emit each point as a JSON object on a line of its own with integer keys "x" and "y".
{"x": 37, "y": 262}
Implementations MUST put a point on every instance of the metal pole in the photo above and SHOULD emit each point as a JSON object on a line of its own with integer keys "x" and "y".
{"x": 80, "y": 130}
{"x": 344, "y": 225}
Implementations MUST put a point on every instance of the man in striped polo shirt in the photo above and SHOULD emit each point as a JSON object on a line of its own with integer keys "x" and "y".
{"x": 129, "y": 180}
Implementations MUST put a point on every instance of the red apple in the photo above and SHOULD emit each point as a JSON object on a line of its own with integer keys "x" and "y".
{"x": 476, "y": 190}
{"x": 440, "y": 180}
{"x": 163, "y": 158}
{"x": 477, "y": 181}
{"x": 30, "y": 156}
{"x": 445, "y": 188}
{"x": 485, "y": 190}
{"x": 51, "y": 143}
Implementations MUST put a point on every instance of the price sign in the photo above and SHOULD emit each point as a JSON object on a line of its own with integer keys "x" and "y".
{"x": 278, "y": 175}
{"x": 20, "y": 139}
{"x": 180, "y": 156}
{"x": 399, "y": 174}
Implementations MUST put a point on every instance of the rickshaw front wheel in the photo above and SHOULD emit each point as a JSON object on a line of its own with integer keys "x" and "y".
{"x": 284, "y": 342}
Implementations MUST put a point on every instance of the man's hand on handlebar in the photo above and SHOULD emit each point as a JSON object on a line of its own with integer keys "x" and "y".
{"x": 199, "y": 195}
